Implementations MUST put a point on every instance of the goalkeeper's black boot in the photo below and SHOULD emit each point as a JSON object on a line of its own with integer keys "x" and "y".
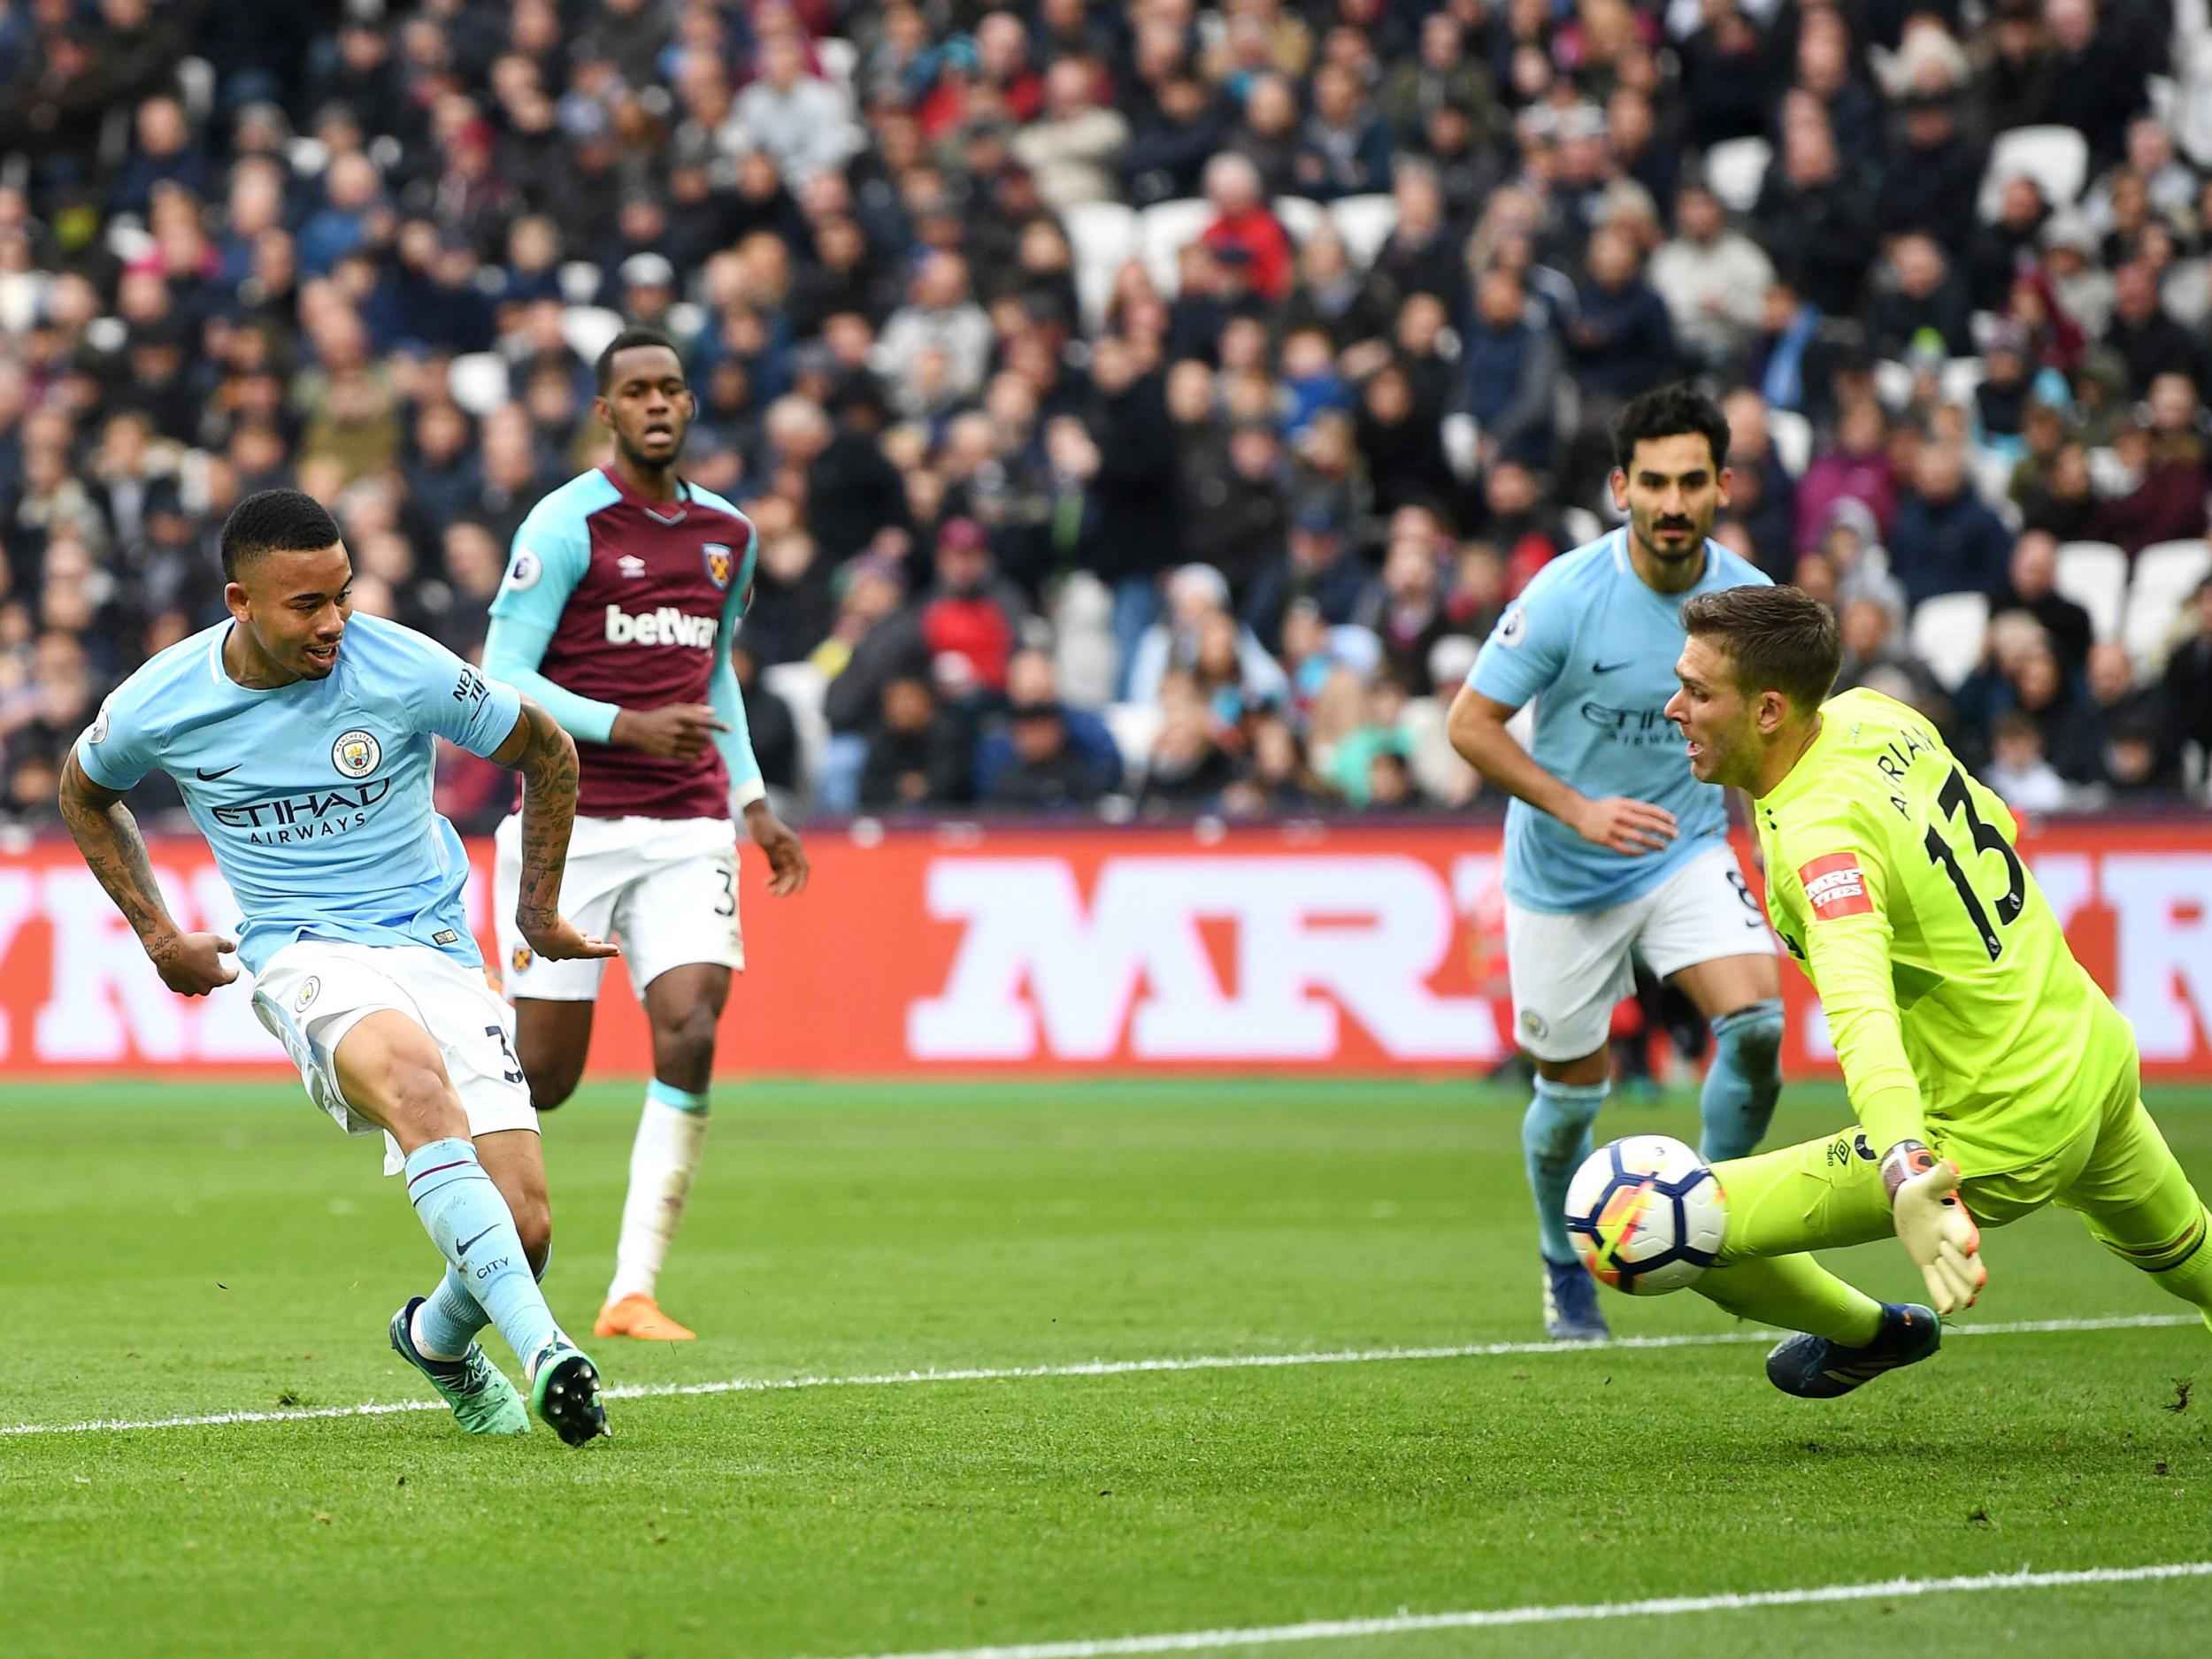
{"x": 1815, "y": 1368}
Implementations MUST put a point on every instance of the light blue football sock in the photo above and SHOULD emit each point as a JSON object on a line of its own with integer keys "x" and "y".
{"x": 470, "y": 1223}
{"x": 1554, "y": 1139}
{"x": 450, "y": 1317}
{"x": 683, "y": 1100}
{"x": 1738, "y": 1101}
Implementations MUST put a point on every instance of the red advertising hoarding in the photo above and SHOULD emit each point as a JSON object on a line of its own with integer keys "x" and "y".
{"x": 959, "y": 950}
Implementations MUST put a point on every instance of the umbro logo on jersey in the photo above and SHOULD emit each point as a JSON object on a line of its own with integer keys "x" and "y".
{"x": 221, "y": 772}
{"x": 666, "y": 626}
{"x": 631, "y": 566}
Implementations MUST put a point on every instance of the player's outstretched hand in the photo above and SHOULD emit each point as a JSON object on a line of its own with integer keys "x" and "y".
{"x": 1941, "y": 1237}
{"x": 675, "y": 731}
{"x": 788, "y": 866}
{"x": 1626, "y": 827}
{"x": 193, "y": 964}
{"x": 556, "y": 938}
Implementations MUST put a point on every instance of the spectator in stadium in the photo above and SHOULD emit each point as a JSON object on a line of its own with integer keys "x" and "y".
{"x": 1511, "y": 374}
{"x": 2031, "y": 585}
{"x": 2147, "y": 341}
{"x": 1073, "y": 145}
{"x": 1713, "y": 280}
{"x": 1922, "y": 305}
{"x": 1347, "y": 147}
{"x": 2164, "y": 501}
{"x": 1945, "y": 540}
{"x": 1186, "y": 766}
{"x": 1198, "y": 595}
{"x": 2017, "y": 769}
{"x": 940, "y": 315}
{"x": 1815, "y": 220}
{"x": 1932, "y": 174}
{"x": 1243, "y": 221}
{"x": 917, "y": 755}
{"x": 1318, "y": 567}
{"x": 2186, "y": 681}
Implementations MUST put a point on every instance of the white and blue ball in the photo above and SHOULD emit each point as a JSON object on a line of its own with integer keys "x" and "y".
{"x": 1647, "y": 1213}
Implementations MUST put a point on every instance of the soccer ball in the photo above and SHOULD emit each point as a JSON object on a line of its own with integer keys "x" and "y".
{"x": 1647, "y": 1213}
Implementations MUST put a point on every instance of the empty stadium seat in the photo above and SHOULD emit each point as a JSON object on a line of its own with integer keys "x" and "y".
{"x": 477, "y": 381}
{"x": 1364, "y": 222}
{"x": 1102, "y": 235}
{"x": 2056, "y": 158}
{"x": 1947, "y": 632}
{"x": 1735, "y": 168}
{"x": 1165, "y": 229}
{"x": 2166, "y": 573}
{"x": 1792, "y": 435}
{"x": 2094, "y": 575}
{"x": 802, "y": 686}
{"x": 579, "y": 281}
{"x": 1300, "y": 217}
{"x": 588, "y": 328}
{"x": 1135, "y": 726}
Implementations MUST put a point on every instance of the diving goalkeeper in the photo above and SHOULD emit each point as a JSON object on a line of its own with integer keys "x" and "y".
{"x": 1989, "y": 1074}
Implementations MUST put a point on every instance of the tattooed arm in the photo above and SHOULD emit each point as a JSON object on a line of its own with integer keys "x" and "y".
{"x": 546, "y": 758}
{"x": 191, "y": 965}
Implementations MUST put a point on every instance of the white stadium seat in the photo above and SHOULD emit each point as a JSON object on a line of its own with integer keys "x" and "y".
{"x": 1300, "y": 216}
{"x": 1165, "y": 229}
{"x": 801, "y": 686}
{"x": 1102, "y": 235}
{"x": 1364, "y": 222}
{"x": 1959, "y": 378}
{"x": 580, "y": 282}
{"x": 1947, "y": 634}
{"x": 2094, "y": 575}
{"x": 1735, "y": 168}
{"x": 477, "y": 381}
{"x": 1135, "y": 726}
{"x": 1791, "y": 436}
{"x": 2056, "y": 158}
{"x": 588, "y": 328}
{"x": 2166, "y": 573}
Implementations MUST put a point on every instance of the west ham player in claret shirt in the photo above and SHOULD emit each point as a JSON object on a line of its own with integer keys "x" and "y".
{"x": 620, "y": 598}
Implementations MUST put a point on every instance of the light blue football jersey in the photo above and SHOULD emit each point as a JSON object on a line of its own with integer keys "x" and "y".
{"x": 1595, "y": 646}
{"x": 315, "y": 796}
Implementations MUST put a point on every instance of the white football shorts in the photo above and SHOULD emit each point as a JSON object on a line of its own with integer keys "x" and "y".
{"x": 1569, "y": 971}
{"x": 665, "y": 888}
{"x": 314, "y": 991}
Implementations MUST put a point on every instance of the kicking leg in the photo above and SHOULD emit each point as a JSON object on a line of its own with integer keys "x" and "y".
{"x": 444, "y": 1323}
{"x": 683, "y": 1006}
{"x": 390, "y": 1072}
{"x": 1742, "y": 997}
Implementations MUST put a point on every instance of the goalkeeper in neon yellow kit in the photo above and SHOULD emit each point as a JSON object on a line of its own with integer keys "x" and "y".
{"x": 1989, "y": 1074}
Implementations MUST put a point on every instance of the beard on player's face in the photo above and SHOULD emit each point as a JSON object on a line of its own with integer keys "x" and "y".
{"x": 1670, "y": 534}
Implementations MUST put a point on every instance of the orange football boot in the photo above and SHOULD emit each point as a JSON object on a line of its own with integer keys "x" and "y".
{"x": 638, "y": 1314}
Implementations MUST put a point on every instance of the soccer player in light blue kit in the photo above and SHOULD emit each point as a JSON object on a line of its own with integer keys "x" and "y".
{"x": 300, "y": 737}
{"x": 1612, "y": 848}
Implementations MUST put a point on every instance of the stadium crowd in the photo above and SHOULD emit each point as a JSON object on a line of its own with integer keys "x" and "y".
{"x": 1137, "y": 403}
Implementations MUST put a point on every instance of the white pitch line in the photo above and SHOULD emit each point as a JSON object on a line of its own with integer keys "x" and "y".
{"x": 1407, "y": 1624}
{"x": 1090, "y": 1368}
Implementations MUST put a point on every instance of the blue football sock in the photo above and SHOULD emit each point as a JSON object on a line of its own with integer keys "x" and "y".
{"x": 1747, "y": 1076}
{"x": 450, "y": 1317}
{"x": 470, "y": 1223}
{"x": 1554, "y": 1139}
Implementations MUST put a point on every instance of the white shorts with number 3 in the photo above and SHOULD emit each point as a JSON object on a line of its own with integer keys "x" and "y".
{"x": 1569, "y": 971}
{"x": 665, "y": 888}
{"x": 314, "y": 991}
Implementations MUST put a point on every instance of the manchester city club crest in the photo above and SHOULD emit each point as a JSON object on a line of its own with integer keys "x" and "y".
{"x": 356, "y": 753}
{"x": 719, "y": 564}
{"x": 309, "y": 988}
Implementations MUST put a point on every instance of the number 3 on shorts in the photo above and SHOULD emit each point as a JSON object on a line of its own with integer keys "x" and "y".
{"x": 498, "y": 1034}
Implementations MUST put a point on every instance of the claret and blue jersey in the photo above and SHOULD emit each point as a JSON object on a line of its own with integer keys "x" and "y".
{"x": 315, "y": 797}
{"x": 1595, "y": 646}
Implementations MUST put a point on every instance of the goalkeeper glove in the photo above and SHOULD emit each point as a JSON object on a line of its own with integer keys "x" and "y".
{"x": 1934, "y": 1225}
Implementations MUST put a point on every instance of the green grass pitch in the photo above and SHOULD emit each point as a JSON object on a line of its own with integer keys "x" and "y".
{"x": 184, "y": 1249}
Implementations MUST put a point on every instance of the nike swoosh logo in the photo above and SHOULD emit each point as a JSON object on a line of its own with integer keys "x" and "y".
{"x": 1607, "y": 668}
{"x": 463, "y": 1249}
{"x": 210, "y": 777}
